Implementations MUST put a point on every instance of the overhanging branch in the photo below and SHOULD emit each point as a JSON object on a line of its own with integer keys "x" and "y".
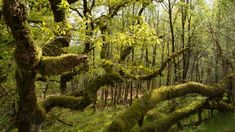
{"x": 158, "y": 71}
{"x": 60, "y": 64}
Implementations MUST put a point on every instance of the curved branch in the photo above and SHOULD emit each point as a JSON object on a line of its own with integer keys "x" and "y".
{"x": 88, "y": 97}
{"x": 158, "y": 71}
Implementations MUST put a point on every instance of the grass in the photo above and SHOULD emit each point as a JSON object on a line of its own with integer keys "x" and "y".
{"x": 79, "y": 121}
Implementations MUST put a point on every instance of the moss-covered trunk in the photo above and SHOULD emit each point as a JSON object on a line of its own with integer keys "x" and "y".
{"x": 27, "y": 56}
{"x": 29, "y": 62}
{"x": 30, "y": 115}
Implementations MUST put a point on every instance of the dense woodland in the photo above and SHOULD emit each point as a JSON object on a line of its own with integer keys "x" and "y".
{"x": 117, "y": 65}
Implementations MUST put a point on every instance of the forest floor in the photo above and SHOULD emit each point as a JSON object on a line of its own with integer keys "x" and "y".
{"x": 66, "y": 120}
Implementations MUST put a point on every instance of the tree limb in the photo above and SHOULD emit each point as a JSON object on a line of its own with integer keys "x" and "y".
{"x": 135, "y": 113}
{"x": 165, "y": 123}
{"x": 60, "y": 64}
{"x": 158, "y": 71}
{"x": 88, "y": 97}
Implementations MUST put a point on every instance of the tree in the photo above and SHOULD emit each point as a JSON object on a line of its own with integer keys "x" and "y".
{"x": 30, "y": 61}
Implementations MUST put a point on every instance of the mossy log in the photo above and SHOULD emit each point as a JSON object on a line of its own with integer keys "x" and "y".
{"x": 135, "y": 113}
{"x": 55, "y": 47}
{"x": 219, "y": 105}
{"x": 60, "y": 64}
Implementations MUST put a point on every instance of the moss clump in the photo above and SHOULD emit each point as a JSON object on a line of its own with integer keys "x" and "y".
{"x": 60, "y": 64}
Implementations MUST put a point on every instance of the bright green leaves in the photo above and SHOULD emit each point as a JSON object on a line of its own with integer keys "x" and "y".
{"x": 137, "y": 35}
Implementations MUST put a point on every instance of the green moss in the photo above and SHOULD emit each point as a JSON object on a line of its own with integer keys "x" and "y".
{"x": 117, "y": 126}
{"x": 132, "y": 115}
{"x": 60, "y": 64}
{"x": 166, "y": 122}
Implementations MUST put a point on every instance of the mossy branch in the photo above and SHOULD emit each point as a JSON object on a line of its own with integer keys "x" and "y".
{"x": 102, "y": 80}
{"x": 60, "y": 64}
{"x": 75, "y": 103}
{"x": 135, "y": 113}
{"x": 88, "y": 96}
{"x": 165, "y": 123}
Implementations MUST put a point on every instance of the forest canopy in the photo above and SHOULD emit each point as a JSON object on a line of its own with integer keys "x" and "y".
{"x": 117, "y": 65}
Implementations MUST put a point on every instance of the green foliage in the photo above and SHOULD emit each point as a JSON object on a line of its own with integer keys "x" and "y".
{"x": 82, "y": 121}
